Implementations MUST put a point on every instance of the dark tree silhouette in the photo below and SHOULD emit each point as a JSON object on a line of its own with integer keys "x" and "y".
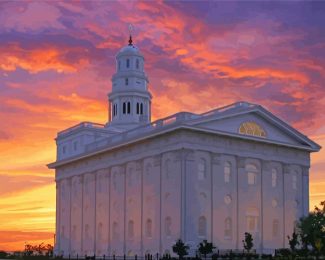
{"x": 248, "y": 242}
{"x": 206, "y": 248}
{"x": 180, "y": 248}
{"x": 293, "y": 241}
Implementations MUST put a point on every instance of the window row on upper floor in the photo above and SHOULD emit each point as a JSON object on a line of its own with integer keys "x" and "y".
{"x": 129, "y": 64}
{"x": 127, "y": 108}
{"x": 251, "y": 170}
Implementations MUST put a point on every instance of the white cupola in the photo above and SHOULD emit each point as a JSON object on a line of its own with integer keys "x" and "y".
{"x": 130, "y": 100}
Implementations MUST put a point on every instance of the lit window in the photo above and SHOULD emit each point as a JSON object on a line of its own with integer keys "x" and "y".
{"x": 127, "y": 63}
{"x": 137, "y": 64}
{"x": 274, "y": 177}
{"x": 131, "y": 229}
{"x": 275, "y": 228}
{"x": 202, "y": 226}
{"x": 126, "y": 81}
{"x": 168, "y": 225}
{"x": 252, "y": 220}
{"x": 149, "y": 228}
{"x": 201, "y": 169}
{"x": 227, "y": 172}
{"x": 251, "y": 174}
{"x": 251, "y": 128}
{"x": 294, "y": 181}
{"x": 228, "y": 228}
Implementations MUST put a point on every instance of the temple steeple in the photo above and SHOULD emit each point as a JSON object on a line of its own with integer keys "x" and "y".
{"x": 130, "y": 100}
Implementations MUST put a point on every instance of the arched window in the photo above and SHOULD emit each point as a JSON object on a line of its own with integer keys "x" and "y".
{"x": 137, "y": 63}
{"x": 275, "y": 228}
{"x": 274, "y": 177}
{"x": 141, "y": 109}
{"x": 100, "y": 232}
{"x": 251, "y": 174}
{"x": 202, "y": 226}
{"x": 201, "y": 167}
{"x": 252, "y": 128}
{"x": 167, "y": 169}
{"x": 124, "y": 107}
{"x": 227, "y": 172}
{"x": 294, "y": 180}
{"x": 131, "y": 229}
{"x": 86, "y": 231}
{"x": 128, "y": 63}
{"x": 119, "y": 65}
{"x": 149, "y": 228}
{"x": 168, "y": 226}
{"x": 129, "y": 108}
{"x": 228, "y": 228}
{"x": 74, "y": 232}
{"x": 126, "y": 81}
{"x": 252, "y": 220}
{"x": 138, "y": 110}
{"x": 115, "y": 230}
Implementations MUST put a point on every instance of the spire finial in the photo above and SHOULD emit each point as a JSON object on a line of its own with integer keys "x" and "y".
{"x": 130, "y": 31}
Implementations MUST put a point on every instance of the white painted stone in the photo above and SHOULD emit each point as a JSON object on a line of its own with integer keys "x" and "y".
{"x": 134, "y": 186}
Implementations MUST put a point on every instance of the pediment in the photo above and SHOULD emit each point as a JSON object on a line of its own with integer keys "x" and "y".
{"x": 274, "y": 129}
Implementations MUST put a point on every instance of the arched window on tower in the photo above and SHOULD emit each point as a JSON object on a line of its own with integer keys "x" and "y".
{"x": 129, "y": 108}
{"x": 202, "y": 226}
{"x": 141, "y": 109}
{"x": 227, "y": 172}
{"x": 124, "y": 107}
{"x": 126, "y": 81}
{"x": 138, "y": 110}
{"x": 137, "y": 63}
{"x": 128, "y": 63}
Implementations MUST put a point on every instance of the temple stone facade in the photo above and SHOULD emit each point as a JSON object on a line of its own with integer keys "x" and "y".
{"x": 133, "y": 186}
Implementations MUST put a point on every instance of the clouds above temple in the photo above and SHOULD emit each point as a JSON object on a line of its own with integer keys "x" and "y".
{"x": 57, "y": 58}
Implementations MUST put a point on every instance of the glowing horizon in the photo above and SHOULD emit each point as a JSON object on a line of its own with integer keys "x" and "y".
{"x": 56, "y": 60}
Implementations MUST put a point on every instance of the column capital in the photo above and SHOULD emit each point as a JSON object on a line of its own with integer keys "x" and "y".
{"x": 157, "y": 160}
{"x": 139, "y": 165}
{"x": 241, "y": 161}
{"x": 216, "y": 158}
{"x": 266, "y": 165}
{"x": 286, "y": 168}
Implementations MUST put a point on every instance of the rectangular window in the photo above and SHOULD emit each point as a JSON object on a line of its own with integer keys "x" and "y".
{"x": 251, "y": 178}
{"x": 75, "y": 145}
{"x": 252, "y": 223}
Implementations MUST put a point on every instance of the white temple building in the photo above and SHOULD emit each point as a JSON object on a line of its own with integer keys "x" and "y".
{"x": 133, "y": 186}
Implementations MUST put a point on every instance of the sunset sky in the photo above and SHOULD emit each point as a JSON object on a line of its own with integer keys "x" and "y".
{"x": 57, "y": 59}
